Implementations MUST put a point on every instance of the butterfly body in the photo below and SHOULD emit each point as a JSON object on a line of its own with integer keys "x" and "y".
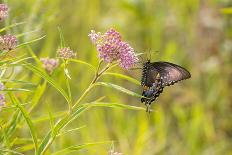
{"x": 156, "y": 76}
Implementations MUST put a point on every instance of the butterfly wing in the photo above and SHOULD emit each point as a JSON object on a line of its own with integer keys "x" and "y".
{"x": 152, "y": 84}
{"x": 157, "y": 75}
{"x": 170, "y": 73}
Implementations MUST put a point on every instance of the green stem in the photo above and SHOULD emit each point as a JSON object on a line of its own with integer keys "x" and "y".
{"x": 59, "y": 125}
{"x": 68, "y": 87}
{"x": 96, "y": 77}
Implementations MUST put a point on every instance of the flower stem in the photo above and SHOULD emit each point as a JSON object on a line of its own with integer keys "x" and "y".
{"x": 68, "y": 86}
{"x": 96, "y": 77}
{"x": 92, "y": 84}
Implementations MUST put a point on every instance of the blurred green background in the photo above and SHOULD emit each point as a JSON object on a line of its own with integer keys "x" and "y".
{"x": 192, "y": 117}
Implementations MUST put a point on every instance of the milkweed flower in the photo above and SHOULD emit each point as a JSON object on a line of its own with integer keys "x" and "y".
{"x": 2, "y": 101}
{"x": 2, "y": 86}
{"x": 127, "y": 56}
{"x": 8, "y": 42}
{"x": 66, "y": 53}
{"x": 111, "y": 152}
{"x": 2, "y": 96}
{"x": 3, "y": 11}
{"x": 111, "y": 48}
{"x": 49, "y": 64}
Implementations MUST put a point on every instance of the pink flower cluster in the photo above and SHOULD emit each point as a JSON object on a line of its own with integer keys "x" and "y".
{"x": 111, "y": 152}
{"x": 66, "y": 53}
{"x": 111, "y": 48}
{"x": 8, "y": 42}
{"x": 49, "y": 64}
{"x": 2, "y": 96}
{"x": 3, "y": 11}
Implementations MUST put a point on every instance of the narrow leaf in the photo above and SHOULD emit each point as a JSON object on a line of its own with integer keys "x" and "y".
{"x": 29, "y": 42}
{"x": 12, "y": 25}
{"x": 44, "y": 75}
{"x": 123, "y": 77}
{"x": 119, "y": 88}
{"x": 82, "y": 62}
{"x": 28, "y": 120}
{"x": 78, "y": 147}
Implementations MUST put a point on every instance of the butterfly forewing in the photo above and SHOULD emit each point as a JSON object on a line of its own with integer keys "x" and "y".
{"x": 170, "y": 73}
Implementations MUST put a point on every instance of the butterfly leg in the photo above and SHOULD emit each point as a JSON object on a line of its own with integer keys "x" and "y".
{"x": 148, "y": 105}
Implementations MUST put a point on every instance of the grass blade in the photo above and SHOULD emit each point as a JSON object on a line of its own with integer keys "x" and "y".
{"x": 119, "y": 88}
{"x": 12, "y": 25}
{"x": 44, "y": 75}
{"x": 29, "y": 42}
{"x": 10, "y": 151}
{"x": 78, "y": 147}
{"x": 82, "y": 62}
{"x": 123, "y": 77}
{"x": 49, "y": 138}
{"x": 114, "y": 105}
{"x": 28, "y": 120}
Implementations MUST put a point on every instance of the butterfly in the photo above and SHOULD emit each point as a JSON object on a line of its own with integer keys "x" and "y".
{"x": 156, "y": 76}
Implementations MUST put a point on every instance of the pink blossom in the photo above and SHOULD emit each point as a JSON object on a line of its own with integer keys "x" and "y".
{"x": 8, "y": 42}
{"x": 3, "y": 11}
{"x": 49, "y": 64}
{"x": 66, "y": 53}
{"x": 2, "y": 96}
{"x": 111, "y": 48}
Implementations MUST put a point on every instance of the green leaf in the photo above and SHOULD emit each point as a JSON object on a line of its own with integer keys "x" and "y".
{"x": 29, "y": 42}
{"x": 82, "y": 62}
{"x": 26, "y": 33}
{"x": 71, "y": 130}
{"x": 76, "y": 113}
{"x": 12, "y": 25}
{"x": 119, "y": 88}
{"x": 123, "y": 77}
{"x": 114, "y": 105}
{"x": 49, "y": 138}
{"x": 78, "y": 147}
{"x": 17, "y": 81}
{"x": 10, "y": 151}
{"x": 62, "y": 42}
{"x": 46, "y": 118}
{"x": 45, "y": 76}
{"x": 12, "y": 107}
{"x": 11, "y": 127}
{"x": 31, "y": 52}
{"x": 51, "y": 118}
{"x": 15, "y": 89}
{"x": 28, "y": 120}
{"x": 66, "y": 72}
{"x": 39, "y": 91}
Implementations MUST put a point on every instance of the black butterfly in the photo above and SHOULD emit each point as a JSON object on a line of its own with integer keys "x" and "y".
{"x": 157, "y": 75}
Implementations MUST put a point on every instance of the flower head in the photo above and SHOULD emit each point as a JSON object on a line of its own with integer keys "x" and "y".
{"x": 8, "y": 42}
{"x": 127, "y": 56}
{"x": 66, "y": 53}
{"x": 3, "y": 11}
{"x": 49, "y": 64}
{"x": 2, "y": 100}
{"x": 111, "y": 152}
{"x": 2, "y": 86}
{"x": 2, "y": 96}
{"x": 111, "y": 48}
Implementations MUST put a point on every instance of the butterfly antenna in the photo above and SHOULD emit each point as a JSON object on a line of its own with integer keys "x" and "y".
{"x": 141, "y": 58}
{"x": 147, "y": 57}
{"x": 150, "y": 53}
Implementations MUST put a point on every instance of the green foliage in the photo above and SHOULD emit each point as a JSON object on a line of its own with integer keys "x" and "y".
{"x": 65, "y": 113}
